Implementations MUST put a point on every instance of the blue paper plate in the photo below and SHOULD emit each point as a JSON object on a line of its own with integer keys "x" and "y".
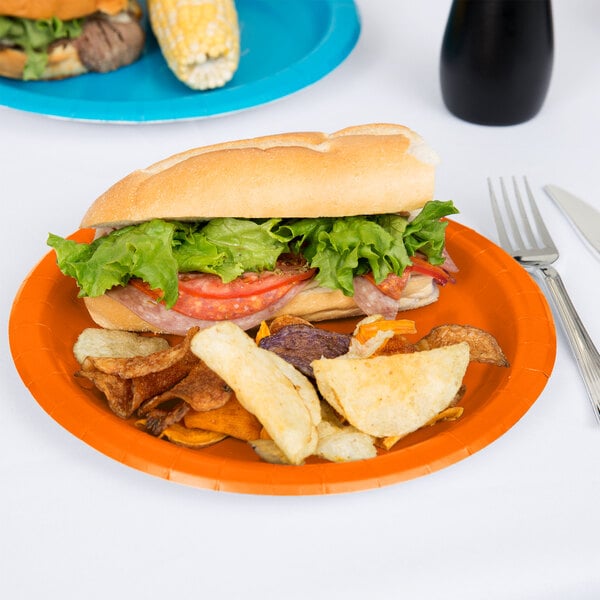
{"x": 285, "y": 46}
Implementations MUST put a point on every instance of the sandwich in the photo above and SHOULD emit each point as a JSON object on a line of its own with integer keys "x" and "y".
{"x": 46, "y": 39}
{"x": 306, "y": 224}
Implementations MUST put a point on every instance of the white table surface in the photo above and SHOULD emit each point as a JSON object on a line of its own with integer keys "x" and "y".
{"x": 519, "y": 519}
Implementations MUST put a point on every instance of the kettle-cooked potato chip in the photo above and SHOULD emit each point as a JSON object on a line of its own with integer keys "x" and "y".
{"x": 395, "y": 394}
{"x": 112, "y": 343}
{"x": 282, "y": 399}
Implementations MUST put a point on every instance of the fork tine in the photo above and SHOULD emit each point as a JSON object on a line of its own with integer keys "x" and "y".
{"x": 524, "y": 219}
{"x": 502, "y": 233}
{"x": 539, "y": 222}
{"x": 511, "y": 216}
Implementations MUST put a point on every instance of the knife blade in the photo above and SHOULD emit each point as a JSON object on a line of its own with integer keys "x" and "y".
{"x": 585, "y": 218}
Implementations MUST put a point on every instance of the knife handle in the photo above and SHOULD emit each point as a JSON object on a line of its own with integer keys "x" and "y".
{"x": 586, "y": 354}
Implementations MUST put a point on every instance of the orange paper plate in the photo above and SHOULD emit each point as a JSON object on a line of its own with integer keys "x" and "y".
{"x": 492, "y": 292}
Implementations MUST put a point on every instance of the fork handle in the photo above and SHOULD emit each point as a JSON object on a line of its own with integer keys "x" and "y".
{"x": 586, "y": 354}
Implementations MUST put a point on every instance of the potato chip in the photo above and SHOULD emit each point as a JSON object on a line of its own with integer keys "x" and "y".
{"x": 159, "y": 419}
{"x": 138, "y": 366}
{"x": 270, "y": 452}
{"x": 117, "y": 391}
{"x": 201, "y": 388}
{"x": 452, "y": 413}
{"x": 116, "y": 344}
{"x": 396, "y": 394}
{"x": 125, "y": 395}
{"x": 483, "y": 346}
{"x": 153, "y": 384}
{"x": 343, "y": 443}
{"x": 129, "y": 382}
{"x": 339, "y": 442}
{"x": 282, "y": 399}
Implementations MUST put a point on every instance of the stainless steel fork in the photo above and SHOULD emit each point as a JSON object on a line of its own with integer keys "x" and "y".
{"x": 536, "y": 251}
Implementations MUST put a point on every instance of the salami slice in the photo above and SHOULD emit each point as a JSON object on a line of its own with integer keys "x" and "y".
{"x": 372, "y": 301}
{"x": 175, "y": 322}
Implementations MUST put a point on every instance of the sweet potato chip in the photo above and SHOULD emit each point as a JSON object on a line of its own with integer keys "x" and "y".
{"x": 232, "y": 419}
{"x": 387, "y": 443}
{"x": 190, "y": 438}
{"x": 263, "y": 332}
{"x": 452, "y": 413}
{"x": 396, "y": 345}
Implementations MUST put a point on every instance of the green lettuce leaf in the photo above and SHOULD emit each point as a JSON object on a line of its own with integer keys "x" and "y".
{"x": 230, "y": 247}
{"x": 34, "y": 36}
{"x": 341, "y": 249}
{"x": 426, "y": 232}
{"x": 354, "y": 246}
{"x": 144, "y": 251}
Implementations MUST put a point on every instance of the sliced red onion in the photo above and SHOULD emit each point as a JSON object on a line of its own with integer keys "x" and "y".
{"x": 448, "y": 265}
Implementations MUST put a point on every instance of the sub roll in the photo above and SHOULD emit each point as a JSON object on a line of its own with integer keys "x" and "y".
{"x": 321, "y": 226}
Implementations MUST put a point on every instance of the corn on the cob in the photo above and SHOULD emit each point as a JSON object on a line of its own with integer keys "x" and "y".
{"x": 199, "y": 39}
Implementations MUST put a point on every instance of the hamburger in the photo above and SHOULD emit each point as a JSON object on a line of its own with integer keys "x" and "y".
{"x": 50, "y": 39}
{"x": 306, "y": 224}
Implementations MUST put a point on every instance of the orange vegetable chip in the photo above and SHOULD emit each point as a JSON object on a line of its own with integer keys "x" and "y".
{"x": 232, "y": 419}
{"x": 190, "y": 438}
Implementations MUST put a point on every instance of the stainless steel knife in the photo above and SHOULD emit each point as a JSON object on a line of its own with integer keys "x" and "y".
{"x": 584, "y": 217}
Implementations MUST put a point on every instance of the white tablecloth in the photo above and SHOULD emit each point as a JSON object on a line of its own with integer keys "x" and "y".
{"x": 519, "y": 519}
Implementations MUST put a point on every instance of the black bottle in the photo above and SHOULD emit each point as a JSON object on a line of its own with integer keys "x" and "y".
{"x": 496, "y": 59}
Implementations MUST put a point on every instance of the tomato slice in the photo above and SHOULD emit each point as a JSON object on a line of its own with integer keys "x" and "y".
{"x": 420, "y": 265}
{"x": 218, "y": 309}
{"x": 205, "y": 296}
{"x": 393, "y": 285}
{"x": 290, "y": 269}
{"x": 248, "y": 284}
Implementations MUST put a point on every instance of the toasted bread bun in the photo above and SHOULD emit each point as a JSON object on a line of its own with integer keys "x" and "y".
{"x": 63, "y": 9}
{"x": 366, "y": 169}
{"x": 65, "y": 57}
